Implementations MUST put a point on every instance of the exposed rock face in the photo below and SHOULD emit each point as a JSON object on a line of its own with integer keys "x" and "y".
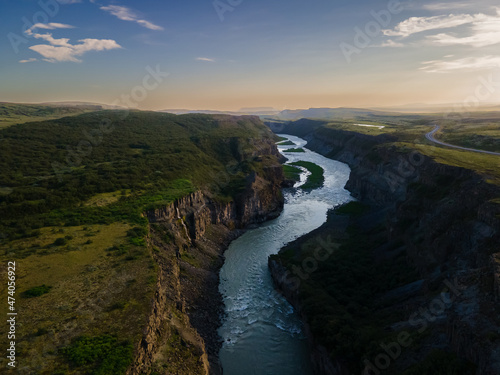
{"x": 449, "y": 225}
{"x": 188, "y": 239}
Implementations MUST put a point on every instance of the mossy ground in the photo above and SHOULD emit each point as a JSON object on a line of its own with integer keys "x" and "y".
{"x": 294, "y": 150}
{"x": 292, "y": 173}
{"x": 94, "y": 290}
{"x": 315, "y": 179}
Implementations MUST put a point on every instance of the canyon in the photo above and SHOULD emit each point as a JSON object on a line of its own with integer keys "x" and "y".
{"x": 441, "y": 223}
{"x": 188, "y": 239}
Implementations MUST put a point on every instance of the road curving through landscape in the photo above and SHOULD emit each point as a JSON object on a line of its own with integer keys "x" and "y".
{"x": 430, "y": 137}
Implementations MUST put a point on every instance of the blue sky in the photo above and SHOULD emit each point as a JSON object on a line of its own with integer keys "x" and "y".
{"x": 282, "y": 54}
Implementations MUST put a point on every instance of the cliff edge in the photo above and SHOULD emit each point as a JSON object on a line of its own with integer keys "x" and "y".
{"x": 413, "y": 284}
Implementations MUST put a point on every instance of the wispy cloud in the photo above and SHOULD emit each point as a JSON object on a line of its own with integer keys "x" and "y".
{"x": 482, "y": 29}
{"x": 205, "y": 59}
{"x": 391, "y": 44}
{"x": 27, "y": 60}
{"x": 127, "y": 14}
{"x": 48, "y": 26}
{"x": 69, "y": 52}
{"x": 69, "y": 1}
{"x": 60, "y": 50}
{"x": 464, "y": 64}
{"x": 485, "y": 31}
{"x": 415, "y": 25}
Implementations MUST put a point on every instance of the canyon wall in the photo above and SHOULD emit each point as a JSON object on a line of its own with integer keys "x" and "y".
{"x": 445, "y": 219}
{"x": 188, "y": 239}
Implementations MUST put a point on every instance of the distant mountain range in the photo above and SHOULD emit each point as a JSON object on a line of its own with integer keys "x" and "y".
{"x": 439, "y": 108}
{"x": 325, "y": 113}
{"x": 80, "y": 104}
{"x": 292, "y": 114}
{"x": 330, "y": 113}
{"x": 257, "y": 111}
{"x": 345, "y": 113}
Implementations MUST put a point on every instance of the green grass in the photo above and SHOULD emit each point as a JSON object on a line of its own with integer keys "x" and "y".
{"x": 484, "y": 164}
{"x": 99, "y": 355}
{"x": 281, "y": 139}
{"x": 478, "y": 132}
{"x": 105, "y": 199}
{"x": 315, "y": 179}
{"x": 153, "y": 159}
{"x": 349, "y": 126}
{"x": 294, "y": 150}
{"x": 36, "y": 291}
{"x": 11, "y": 113}
{"x": 292, "y": 173}
{"x": 287, "y": 143}
{"x": 77, "y": 272}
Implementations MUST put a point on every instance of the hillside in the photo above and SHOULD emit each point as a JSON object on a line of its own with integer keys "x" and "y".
{"x": 12, "y": 113}
{"x": 97, "y": 212}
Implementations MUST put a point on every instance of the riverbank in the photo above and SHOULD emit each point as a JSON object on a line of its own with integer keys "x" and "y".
{"x": 436, "y": 223}
{"x": 188, "y": 239}
{"x": 261, "y": 331}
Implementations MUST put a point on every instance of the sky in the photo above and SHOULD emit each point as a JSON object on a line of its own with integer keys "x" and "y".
{"x": 229, "y": 54}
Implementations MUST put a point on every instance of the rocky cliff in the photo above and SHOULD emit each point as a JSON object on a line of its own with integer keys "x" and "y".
{"x": 188, "y": 239}
{"x": 444, "y": 221}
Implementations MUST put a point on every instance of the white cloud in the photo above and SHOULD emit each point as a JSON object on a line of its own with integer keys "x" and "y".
{"x": 485, "y": 31}
{"x": 391, "y": 44}
{"x": 415, "y": 25}
{"x": 464, "y": 64}
{"x": 205, "y": 59}
{"x": 48, "y": 37}
{"x": 69, "y": 1}
{"x": 60, "y": 50}
{"x": 482, "y": 29}
{"x": 28, "y": 60}
{"x": 127, "y": 14}
{"x": 48, "y": 26}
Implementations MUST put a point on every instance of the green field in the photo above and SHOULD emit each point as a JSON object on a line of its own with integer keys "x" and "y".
{"x": 286, "y": 143}
{"x": 315, "y": 179}
{"x": 294, "y": 150}
{"x": 11, "y": 114}
{"x": 292, "y": 173}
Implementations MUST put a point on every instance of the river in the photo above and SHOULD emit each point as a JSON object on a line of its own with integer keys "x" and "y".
{"x": 262, "y": 334}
